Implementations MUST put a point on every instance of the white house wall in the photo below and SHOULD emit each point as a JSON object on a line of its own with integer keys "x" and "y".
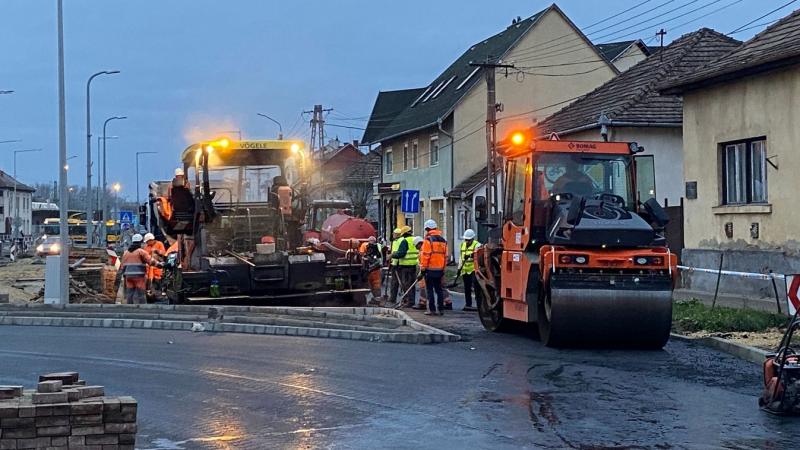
{"x": 666, "y": 146}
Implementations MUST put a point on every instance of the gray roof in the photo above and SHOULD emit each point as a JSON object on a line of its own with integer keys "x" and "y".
{"x": 366, "y": 169}
{"x": 387, "y": 106}
{"x": 7, "y": 182}
{"x": 633, "y": 97}
{"x": 777, "y": 46}
{"x": 470, "y": 185}
{"x": 423, "y": 114}
{"x": 611, "y": 50}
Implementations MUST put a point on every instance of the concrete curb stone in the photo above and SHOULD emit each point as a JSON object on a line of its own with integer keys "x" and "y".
{"x": 741, "y": 351}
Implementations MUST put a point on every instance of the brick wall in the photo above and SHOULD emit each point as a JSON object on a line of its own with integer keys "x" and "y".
{"x": 63, "y": 413}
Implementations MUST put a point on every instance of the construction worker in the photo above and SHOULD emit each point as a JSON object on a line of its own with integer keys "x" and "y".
{"x": 423, "y": 294}
{"x": 394, "y": 281}
{"x": 134, "y": 265}
{"x": 372, "y": 261}
{"x": 432, "y": 261}
{"x": 156, "y": 250}
{"x": 407, "y": 258}
{"x": 467, "y": 268}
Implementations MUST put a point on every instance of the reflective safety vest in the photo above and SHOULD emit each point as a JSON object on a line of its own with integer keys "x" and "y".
{"x": 467, "y": 256}
{"x": 412, "y": 254}
{"x": 395, "y": 248}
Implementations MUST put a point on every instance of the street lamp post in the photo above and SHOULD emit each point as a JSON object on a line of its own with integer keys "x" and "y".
{"x": 98, "y": 159}
{"x": 280, "y": 128}
{"x": 89, "y": 213}
{"x": 15, "y": 199}
{"x": 116, "y": 187}
{"x": 103, "y": 218}
{"x": 137, "y": 174}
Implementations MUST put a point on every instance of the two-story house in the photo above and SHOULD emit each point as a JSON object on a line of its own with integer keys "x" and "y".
{"x": 433, "y": 138}
{"x": 12, "y": 205}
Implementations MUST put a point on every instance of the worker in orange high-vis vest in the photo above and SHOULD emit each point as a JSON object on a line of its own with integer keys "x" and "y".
{"x": 133, "y": 264}
{"x": 432, "y": 261}
{"x": 156, "y": 250}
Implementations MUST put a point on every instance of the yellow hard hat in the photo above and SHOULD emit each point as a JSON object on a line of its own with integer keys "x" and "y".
{"x": 397, "y": 231}
{"x": 405, "y": 229}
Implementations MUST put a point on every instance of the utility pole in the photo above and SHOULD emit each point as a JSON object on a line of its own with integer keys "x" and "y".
{"x": 661, "y": 33}
{"x": 318, "y": 133}
{"x": 492, "y": 107}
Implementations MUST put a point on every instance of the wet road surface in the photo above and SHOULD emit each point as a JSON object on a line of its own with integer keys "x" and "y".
{"x": 491, "y": 391}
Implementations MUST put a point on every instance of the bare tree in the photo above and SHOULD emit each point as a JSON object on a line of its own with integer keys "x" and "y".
{"x": 359, "y": 193}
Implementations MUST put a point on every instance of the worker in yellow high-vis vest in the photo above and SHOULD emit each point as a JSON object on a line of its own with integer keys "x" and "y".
{"x": 404, "y": 252}
{"x": 467, "y": 267}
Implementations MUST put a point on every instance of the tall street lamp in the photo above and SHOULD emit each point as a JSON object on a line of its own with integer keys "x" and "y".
{"x": 103, "y": 217}
{"x": 89, "y": 214}
{"x": 15, "y": 199}
{"x": 116, "y": 187}
{"x": 137, "y": 174}
{"x": 280, "y": 128}
{"x": 97, "y": 197}
{"x": 66, "y": 166}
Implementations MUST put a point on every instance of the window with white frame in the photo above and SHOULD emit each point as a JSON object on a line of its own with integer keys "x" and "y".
{"x": 415, "y": 154}
{"x": 434, "y": 150}
{"x": 388, "y": 161}
{"x": 405, "y": 156}
{"x": 744, "y": 171}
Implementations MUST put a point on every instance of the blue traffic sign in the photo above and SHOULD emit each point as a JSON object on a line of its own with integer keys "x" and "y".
{"x": 126, "y": 216}
{"x": 409, "y": 201}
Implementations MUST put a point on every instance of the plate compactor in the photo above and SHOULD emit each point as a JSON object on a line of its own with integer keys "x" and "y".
{"x": 781, "y": 394}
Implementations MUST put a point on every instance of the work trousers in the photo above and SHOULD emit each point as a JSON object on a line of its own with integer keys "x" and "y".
{"x": 433, "y": 284}
{"x": 469, "y": 281}
{"x": 134, "y": 296}
{"x": 406, "y": 276}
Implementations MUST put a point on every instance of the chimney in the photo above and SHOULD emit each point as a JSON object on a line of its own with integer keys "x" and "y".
{"x": 355, "y": 143}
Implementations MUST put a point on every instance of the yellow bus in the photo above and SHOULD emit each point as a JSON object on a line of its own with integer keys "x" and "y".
{"x": 77, "y": 229}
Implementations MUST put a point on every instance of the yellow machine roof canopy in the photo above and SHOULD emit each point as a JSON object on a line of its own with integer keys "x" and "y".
{"x": 247, "y": 152}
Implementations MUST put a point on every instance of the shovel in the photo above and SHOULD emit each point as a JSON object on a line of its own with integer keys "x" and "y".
{"x": 455, "y": 281}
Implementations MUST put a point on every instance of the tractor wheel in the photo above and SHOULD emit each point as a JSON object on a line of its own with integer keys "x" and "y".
{"x": 491, "y": 316}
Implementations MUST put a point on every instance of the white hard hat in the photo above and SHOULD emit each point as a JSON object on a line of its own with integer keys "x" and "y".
{"x": 179, "y": 172}
{"x": 430, "y": 224}
{"x": 149, "y": 237}
{"x": 417, "y": 240}
{"x": 136, "y": 238}
{"x": 469, "y": 234}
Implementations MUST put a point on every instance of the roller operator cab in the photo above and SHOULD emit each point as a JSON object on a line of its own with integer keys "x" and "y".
{"x": 236, "y": 210}
{"x": 580, "y": 248}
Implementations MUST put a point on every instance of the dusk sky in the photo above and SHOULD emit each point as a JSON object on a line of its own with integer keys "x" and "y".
{"x": 192, "y": 69}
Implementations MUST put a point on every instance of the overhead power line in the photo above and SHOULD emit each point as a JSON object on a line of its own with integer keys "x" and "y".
{"x": 761, "y": 17}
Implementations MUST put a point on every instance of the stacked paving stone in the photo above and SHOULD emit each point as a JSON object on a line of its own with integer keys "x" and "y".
{"x": 63, "y": 413}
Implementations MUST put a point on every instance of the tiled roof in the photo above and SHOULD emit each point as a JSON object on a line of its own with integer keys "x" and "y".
{"x": 633, "y": 95}
{"x": 613, "y": 49}
{"x": 366, "y": 169}
{"x": 450, "y": 86}
{"x": 775, "y": 47}
{"x": 387, "y": 106}
{"x": 7, "y": 182}
{"x": 471, "y": 184}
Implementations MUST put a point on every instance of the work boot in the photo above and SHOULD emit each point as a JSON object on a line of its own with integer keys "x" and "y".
{"x": 469, "y": 308}
{"x": 429, "y": 313}
{"x": 418, "y": 307}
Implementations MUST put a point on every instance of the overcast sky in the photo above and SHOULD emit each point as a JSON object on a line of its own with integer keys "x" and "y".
{"x": 194, "y": 68}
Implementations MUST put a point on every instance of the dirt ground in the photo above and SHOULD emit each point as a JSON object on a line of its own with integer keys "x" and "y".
{"x": 29, "y": 268}
{"x": 765, "y": 340}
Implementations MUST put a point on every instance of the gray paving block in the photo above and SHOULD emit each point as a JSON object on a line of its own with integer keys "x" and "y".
{"x": 51, "y": 397}
{"x": 49, "y": 386}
